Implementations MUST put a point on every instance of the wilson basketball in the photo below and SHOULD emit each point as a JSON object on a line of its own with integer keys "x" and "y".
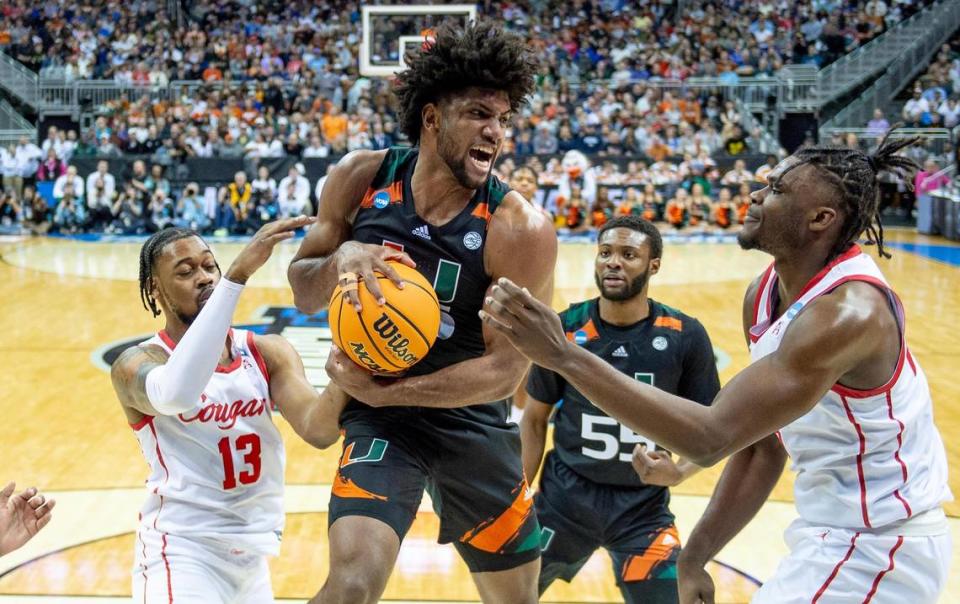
{"x": 392, "y": 337}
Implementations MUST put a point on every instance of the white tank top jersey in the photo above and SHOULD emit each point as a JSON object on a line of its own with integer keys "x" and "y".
{"x": 864, "y": 459}
{"x": 216, "y": 471}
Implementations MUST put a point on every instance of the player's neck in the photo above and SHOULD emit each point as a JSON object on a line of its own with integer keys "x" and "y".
{"x": 625, "y": 312}
{"x": 436, "y": 191}
{"x": 795, "y": 271}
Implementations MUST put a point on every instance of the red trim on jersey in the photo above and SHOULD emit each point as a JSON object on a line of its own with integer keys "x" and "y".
{"x": 863, "y": 448}
{"x": 760, "y": 290}
{"x": 852, "y": 252}
{"x": 143, "y": 422}
{"x": 233, "y": 366}
{"x": 896, "y": 454}
{"x": 258, "y": 357}
{"x": 836, "y": 569}
{"x": 853, "y": 392}
{"x": 143, "y": 567}
{"x": 913, "y": 365}
{"x": 163, "y": 554}
{"x": 876, "y": 581}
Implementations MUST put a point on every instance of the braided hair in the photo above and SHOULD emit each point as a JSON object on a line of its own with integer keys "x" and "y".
{"x": 149, "y": 253}
{"x": 854, "y": 173}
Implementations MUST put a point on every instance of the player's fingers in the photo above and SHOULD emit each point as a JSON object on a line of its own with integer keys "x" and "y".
{"x": 7, "y": 492}
{"x": 276, "y": 238}
{"x": 499, "y": 309}
{"x": 369, "y": 279}
{"x": 43, "y": 521}
{"x": 497, "y": 324}
{"x": 390, "y": 273}
{"x": 398, "y": 256}
{"x": 286, "y": 224}
{"x": 521, "y": 294}
{"x": 36, "y": 501}
{"x": 44, "y": 510}
{"x": 28, "y": 493}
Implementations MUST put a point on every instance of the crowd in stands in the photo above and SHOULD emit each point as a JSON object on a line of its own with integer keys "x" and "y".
{"x": 280, "y": 79}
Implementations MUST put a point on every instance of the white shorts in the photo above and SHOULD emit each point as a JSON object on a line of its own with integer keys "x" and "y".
{"x": 839, "y": 566}
{"x": 169, "y": 568}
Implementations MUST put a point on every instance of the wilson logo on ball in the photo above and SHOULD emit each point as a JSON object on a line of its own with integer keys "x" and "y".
{"x": 392, "y": 337}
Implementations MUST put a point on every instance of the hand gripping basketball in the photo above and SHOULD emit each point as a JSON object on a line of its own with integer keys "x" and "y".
{"x": 390, "y": 337}
{"x": 358, "y": 262}
{"x": 256, "y": 253}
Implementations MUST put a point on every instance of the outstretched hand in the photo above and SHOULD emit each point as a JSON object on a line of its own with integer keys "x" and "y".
{"x": 530, "y": 325}
{"x": 258, "y": 251}
{"x": 21, "y": 516}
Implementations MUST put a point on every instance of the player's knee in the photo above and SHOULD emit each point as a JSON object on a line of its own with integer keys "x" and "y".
{"x": 350, "y": 587}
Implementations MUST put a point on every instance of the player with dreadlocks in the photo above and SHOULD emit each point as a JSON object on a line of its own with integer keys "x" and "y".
{"x": 198, "y": 396}
{"x": 437, "y": 207}
{"x": 832, "y": 383}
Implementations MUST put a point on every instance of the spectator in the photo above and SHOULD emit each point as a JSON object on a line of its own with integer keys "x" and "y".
{"x": 190, "y": 210}
{"x": 294, "y": 194}
{"x": 127, "y": 213}
{"x": 917, "y": 109}
{"x": 101, "y": 190}
{"x": 678, "y": 210}
{"x": 316, "y": 148}
{"x": 232, "y": 203}
{"x": 949, "y": 111}
{"x": 51, "y": 168}
{"x": 380, "y": 139}
{"x": 160, "y": 211}
{"x": 71, "y": 215}
{"x": 739, "y": 174}
{"x": 69, "y": 181}
{"x": 264, "y": 185}
{"x": 157, "y": 182}
{"x": 724, "y": 210}
{"x": 736, "y": 143}
{"x": 878, "y": 126}
{"x": 8, "y": 167}
{"x": 37, "y": 215}
{"x": 11, "y": 212}
{"x": 27, "y": 159}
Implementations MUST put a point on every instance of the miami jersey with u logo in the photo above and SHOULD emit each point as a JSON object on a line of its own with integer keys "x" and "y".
{"x": 450, "y": 256}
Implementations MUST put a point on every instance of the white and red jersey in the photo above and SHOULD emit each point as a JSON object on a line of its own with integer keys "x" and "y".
{"x": 864, "y": 458}
{"x": 216, "y": 471}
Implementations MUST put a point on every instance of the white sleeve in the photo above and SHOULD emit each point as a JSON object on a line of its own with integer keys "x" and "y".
{"x": 176, "y": 386}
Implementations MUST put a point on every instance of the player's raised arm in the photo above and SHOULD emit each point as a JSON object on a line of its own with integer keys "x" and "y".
{"x": 771, "y": 392}
{"x": 313, "y": 416}
{"x": 327, "y": 253}
{"x": 145, "y": 378}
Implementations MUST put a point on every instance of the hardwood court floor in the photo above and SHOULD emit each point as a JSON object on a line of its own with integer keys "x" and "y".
{"x": 65, "y": 302}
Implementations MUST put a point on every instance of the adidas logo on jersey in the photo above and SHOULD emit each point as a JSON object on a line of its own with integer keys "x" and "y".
{"x": 621, "y": 352}
{"x": 422, "y": 231}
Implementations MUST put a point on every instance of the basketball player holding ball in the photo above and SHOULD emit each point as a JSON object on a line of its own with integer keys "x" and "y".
{"x": 442, "y": 425}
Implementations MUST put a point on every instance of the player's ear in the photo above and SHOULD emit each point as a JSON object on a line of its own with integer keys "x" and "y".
{"x": 430, "y": 115}
{"x": 823, "y": 218}
{"x": 654, "y": 267}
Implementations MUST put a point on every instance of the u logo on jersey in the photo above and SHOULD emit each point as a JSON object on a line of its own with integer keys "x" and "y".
{"x": 378, "y": 448}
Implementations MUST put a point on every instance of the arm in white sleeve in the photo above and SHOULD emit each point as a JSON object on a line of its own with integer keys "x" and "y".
{"x": 176, "y": 386}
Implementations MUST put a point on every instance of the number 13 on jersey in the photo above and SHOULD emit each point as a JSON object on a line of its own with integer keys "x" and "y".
{"x": 611, "y": 444}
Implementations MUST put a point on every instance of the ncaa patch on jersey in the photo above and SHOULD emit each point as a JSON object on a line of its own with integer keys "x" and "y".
{"x": 381, "y": 200}
{"x": 580, "y": 337}
{"x": 472, "y": 240}
{"x": 660, "y": 343}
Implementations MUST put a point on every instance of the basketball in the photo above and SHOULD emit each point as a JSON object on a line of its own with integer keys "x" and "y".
{"x": 392, "y": 337}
